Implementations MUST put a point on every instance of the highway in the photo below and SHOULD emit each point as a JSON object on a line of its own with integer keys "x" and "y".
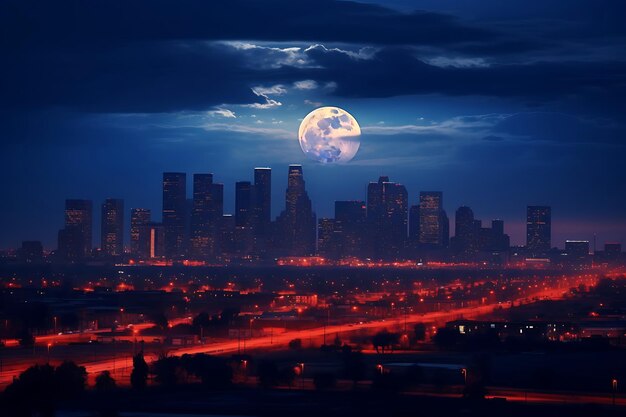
{"x": 122, "y": 366}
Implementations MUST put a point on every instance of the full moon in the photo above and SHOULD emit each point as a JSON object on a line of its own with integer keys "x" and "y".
{"x": 329, "y": 134}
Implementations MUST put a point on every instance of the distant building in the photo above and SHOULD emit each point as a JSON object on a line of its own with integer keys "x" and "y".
{"x": 577, "y": 252}
{"x": 612, "y": 251}
{"x": 75, "y": 239}
{"x": 538, "y": 230}
{"x": 112, "y": 227}
{"x": 350, "y": 221}
{"x": 434, "y": 227}
{"x": 207, "y": 211}
{"x": 156, "y": 240}
{"x": 296, "y": 224}
{"x": 465, "y": 234}
{"x": 387, "y": 215}
{"x": 262, "y": 201}
{"x": 174, "y": 213}
{"x": 139, "y": 217}
{"x": 414, "y": 224}
{"x": 326, "y": 240}
{"x": 31, "y": 252}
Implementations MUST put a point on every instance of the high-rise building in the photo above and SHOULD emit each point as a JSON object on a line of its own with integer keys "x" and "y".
{"x": 174, "y": 213}
{"x": 349, "y": 224}
{"x": 208, "y": 208}
{"x": 243, "y": 204}
{"x": 112, "y": 227}
{"x": 326, "y": 239}
{"x": 296, "y": 224}
{"x": 387, "y": 212}
{"x": 538, "y": 230}
{"x": 465, "y": 233}
{"x": 262, "y": 201}
{"x": 75, "y": 239}
{"x": 151, "y": 241}
{"x": 139, "y": 218}
{"x": 433, "y": 230}
{"x": 414, "y": 224}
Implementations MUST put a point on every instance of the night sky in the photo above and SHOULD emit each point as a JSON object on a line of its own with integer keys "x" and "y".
{"x": 499, "y": 104}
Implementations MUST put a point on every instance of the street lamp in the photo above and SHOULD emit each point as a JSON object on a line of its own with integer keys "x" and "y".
{"x": 614, "y": 385}
{"x": 302, "y": 373}
{"x": 49, "y": 346}
{"x": 464, "y": 372}
{"x": 380, "y": 368}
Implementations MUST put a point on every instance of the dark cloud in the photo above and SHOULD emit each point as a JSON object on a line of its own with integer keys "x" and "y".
{"x": 101, "y": 21}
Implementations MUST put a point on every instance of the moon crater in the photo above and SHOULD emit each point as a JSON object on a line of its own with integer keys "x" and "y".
{"x": 329, "y": 134}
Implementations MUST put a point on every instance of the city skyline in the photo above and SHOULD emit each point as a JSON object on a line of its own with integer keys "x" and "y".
{"x": 264, "y": 174}
{"x": 460, "y": 98}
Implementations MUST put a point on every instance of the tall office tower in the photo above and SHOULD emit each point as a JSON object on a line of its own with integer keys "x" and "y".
{"x": 387, "y": 211}
{"x": 432, "y": 229}
{"x": 327, "y": 244}
{"x": 465, "y": 233}
{"x": 112, "y": 227}
{"x": 296, "y": 223}
{"x": 139, "y": 217}
{"x": 243, "y": 204}
{"x": 227, "y": 230}
{"x": 151, "y": 241}
{"x": 75, "y": 239}
{"x": 538, "y": 229}
{"x": 501, "y": 242}
{"x": 262, "y": 200}
{"x": 208, "y": 208}
{"x": 350, "y": 218}
{"x": 174, "y": 213}
{"x": 244, "y": 218}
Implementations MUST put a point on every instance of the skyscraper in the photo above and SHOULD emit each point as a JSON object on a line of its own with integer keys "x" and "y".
{"x": 387, "y": 211}
{"x": 262, "y": 200}
{"x": 174, "y": 213}
{"x": 296, "y": 223}
{"x": 538, "y": 230}
{"x": 75, "y": 240}
{"x": 151, "y": 241}
{"x": 350, "y": 221}
{"x": 243, "y": 204}
{"x": 208, "y": 208}
{"x": 112, "y": 227}
{"x": 139, "y": 217}
{"x": 433, "y": 231}
{"x": 465, "y": 233}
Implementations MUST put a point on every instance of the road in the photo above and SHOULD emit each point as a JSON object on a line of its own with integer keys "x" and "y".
{"x": 122, "y": 365}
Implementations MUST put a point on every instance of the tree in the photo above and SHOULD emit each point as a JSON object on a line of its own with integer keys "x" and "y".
{"x": 295, "y": 344}
{"x": 71, "y": 379}
{"x": 213, "y": 371}
{"x": 420, "y": 332}
{"x": 159, "y": 320}
{"x": 385, "y": 340}
{"x": 38, "y": 389}
{"x": 139, "y": 375}
{"x": 167, "y": 370}
{"x": 34, "y": 391}
{"x": 105, "y": 382}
